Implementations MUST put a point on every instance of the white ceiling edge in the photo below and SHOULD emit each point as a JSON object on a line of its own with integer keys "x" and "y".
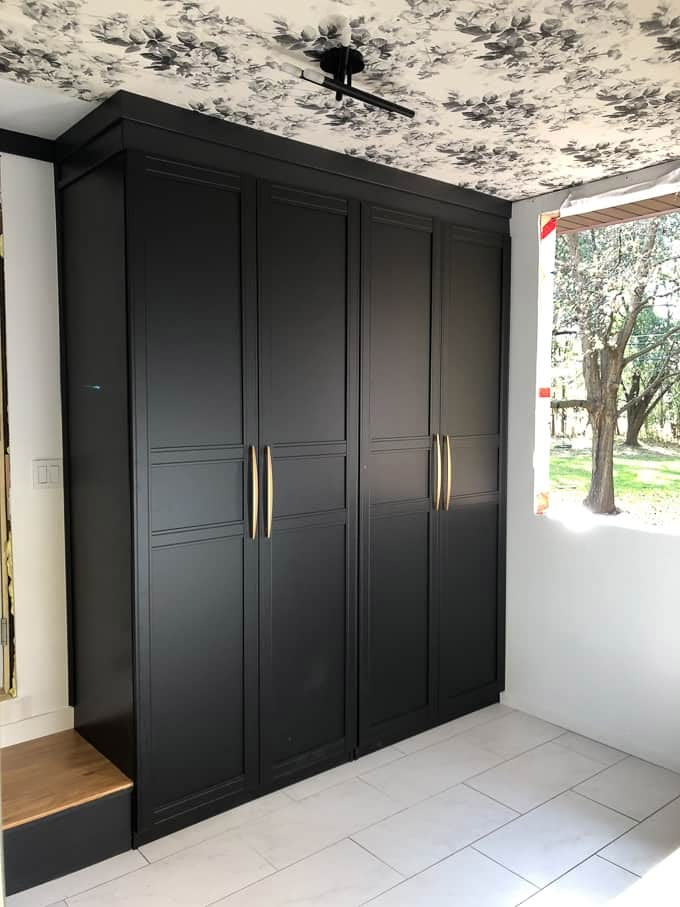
{"x": 40, "y": 112}
{"x": 583, "y": 200}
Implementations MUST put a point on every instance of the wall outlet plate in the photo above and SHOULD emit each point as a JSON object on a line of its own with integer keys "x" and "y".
{"x": 47, "y": 474}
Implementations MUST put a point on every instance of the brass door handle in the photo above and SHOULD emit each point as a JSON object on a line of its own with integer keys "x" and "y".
{"x": 449, "y": 473}
{"x": 254, "y": 492}
{"x": 437, "y": 492}
{"x": 270, "y": 493}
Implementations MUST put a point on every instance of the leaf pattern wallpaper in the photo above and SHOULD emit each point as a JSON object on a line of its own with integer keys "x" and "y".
{"x": 511, "y": 99}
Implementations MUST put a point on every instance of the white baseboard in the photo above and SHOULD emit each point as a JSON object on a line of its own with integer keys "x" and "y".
{"x": 36, "y": 726}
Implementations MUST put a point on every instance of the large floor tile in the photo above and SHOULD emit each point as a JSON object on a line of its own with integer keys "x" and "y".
{"x": 591, "y": 884}
{"x": 633, "y": 787}
{"x": 528, "y": 780}
{"x": 513, "y": 734}
{"x": 659, "y": 888}
{"x": 210, "y": 828}
{"x": 431, "y": 771}
{"x": 467, "y": 879}
{"x": 554, "y": 838}
{"x": 426, "y": 833}
{"x": 194, "y": 877}
{"x": 344, "y": 772}
{"x": 307, "y": 826}
{"x": 452, "y": 728}
{"x": 52, "y": 892}
{"x": 648, "y": 843}
{"x": 343, "y": 875}
{"x": 590, "y": 748}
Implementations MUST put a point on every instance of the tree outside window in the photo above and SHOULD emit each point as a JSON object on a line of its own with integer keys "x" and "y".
{"x": 616, "y": 368}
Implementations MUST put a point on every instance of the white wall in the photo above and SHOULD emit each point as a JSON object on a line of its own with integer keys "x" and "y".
{"x": 35, "y": 433}
{"x": 593, "y": 616}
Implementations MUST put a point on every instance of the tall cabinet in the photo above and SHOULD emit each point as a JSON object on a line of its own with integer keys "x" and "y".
{"x": 432, "y": 409}
{"x": 283, "y": 378}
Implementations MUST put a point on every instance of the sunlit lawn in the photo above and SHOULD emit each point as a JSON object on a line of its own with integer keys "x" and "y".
{"x": 646, "y": 480}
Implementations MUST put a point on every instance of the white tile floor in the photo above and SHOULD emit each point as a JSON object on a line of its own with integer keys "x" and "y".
{"x": 494, "y": 809}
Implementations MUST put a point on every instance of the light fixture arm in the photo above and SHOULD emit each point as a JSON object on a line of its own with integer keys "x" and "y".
{"x": 346, "y": 88}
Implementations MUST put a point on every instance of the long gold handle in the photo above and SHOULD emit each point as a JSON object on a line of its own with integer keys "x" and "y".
{"x": 449, "y": 473}
{"x": 270, "y": 493}
{"x": 254, "y": 493}
{"x": 438, "y": 472}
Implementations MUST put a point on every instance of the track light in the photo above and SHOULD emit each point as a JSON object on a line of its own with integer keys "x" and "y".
{"x": 342, "y": 62}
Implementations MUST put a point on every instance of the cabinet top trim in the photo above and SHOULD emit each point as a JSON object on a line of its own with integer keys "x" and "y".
{"x": 127, "y": 106}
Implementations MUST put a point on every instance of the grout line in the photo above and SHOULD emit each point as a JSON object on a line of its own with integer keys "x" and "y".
{"x": 567, "y": 871}
{"x": 456, "y": 733}
{"x": 598, "y": 743}
{"x": 235, "y": 828}
{"x": 466, "y": 783}
{"x": 544, "y": 803}
{"x": 507, "y": 869}
{"x": 618, "y": 865}
{"x": 376, "y": 857}
{"x": 453, "y": 852}
{"x": 223, "y": 897}
{"x": 554, "y": 797}
{"x": 606, "y": 805}
{"x": 599, "y": 854}
{"x": 292, "y": 800}
{"x": 358, "y": 776}
{"x": 238, "y": 830}
{"x": 518, "y": 814}
{"x": 114, "y": 878}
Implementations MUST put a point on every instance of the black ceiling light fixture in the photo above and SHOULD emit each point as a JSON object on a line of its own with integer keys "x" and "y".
{"x": 342, "y": 62}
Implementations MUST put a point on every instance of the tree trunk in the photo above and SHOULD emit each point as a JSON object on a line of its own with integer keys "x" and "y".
{"x": 600, "y": 498}
{"x": 636, "y": 419}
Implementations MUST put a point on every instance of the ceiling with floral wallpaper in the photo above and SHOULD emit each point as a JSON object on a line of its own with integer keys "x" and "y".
{"x": 512, "y": 99}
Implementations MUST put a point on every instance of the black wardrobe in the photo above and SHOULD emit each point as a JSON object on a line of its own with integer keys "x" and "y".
{"x": 284, "y": 402}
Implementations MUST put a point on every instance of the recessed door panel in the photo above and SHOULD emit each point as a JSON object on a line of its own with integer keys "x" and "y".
{"x": 304, "y": 317}
{"x": 400, "y": 475}
{"x": 310, "y": 484}
{"x": 400, "y": 287}
{"x": 474, "y": 465}
{"x": 469, "y": 605}
{"x": 197, "y": 667}
{"x": 193, "y": 304}
{"x": 398, "y": 647}
{"x": 308, "y": 641}
{"x": 308, "y": 361}
{"x": 196, "y": 405}
{"x": 184, "y": 495}
{"x": 471, "y": 324}
{"x": 399, "y": 472}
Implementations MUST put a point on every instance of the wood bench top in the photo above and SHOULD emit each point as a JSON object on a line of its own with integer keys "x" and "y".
{"x": 47, "y": 775}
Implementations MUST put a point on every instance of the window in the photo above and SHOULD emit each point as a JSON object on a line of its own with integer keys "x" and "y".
{"x": 614, "y": 400}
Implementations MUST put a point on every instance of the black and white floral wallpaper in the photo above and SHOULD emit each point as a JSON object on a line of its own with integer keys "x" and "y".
{"x": 513, "y": 99}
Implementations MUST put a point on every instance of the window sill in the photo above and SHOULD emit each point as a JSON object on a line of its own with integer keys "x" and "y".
{"x": 578, "y": 519}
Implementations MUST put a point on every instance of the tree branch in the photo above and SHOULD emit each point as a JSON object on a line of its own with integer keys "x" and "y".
{"x": 652, "y": 346}
{"x": 649, "y": 392}
{"x": 570, "y": 404}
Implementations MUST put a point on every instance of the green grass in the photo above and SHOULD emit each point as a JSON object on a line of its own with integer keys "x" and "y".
{"x": 646, "y": 480}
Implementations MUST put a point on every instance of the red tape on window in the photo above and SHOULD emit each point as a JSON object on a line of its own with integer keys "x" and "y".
{"x": 548, "y": 227}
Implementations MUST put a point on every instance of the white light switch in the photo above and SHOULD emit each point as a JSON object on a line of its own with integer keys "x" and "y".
{"x": 46, "y": 474}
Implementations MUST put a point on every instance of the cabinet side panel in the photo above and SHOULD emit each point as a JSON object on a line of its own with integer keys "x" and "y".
{"x": 94, "y": 341}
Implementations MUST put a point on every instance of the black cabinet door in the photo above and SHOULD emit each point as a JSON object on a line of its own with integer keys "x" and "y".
{"x": 308, "y": 304}
{"x": 472, "y": 409}
{"x": 192, "y": 248}
{"x": 399, "y": 413}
